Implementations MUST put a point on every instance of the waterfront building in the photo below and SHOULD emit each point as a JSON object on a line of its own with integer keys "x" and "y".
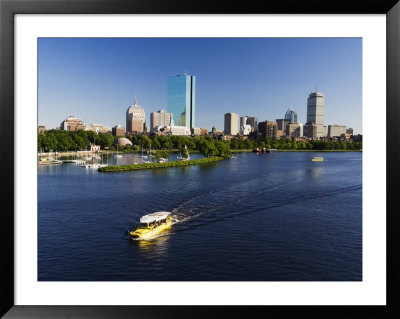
{"x": 291, "y": 115}
{"x": 180, "y": 130}
{"x": 283, "y": 125}
{"x": 123, "y": 141}
{"x": 249, "y": 120}
{"x": 280, "y": 133}
{"x": 243, "y": 120}
{"x": 98, "y": 128}
{"x": 160, "y": 118}
{"x": 310, "y": 130}
{"x": 135, "y": 118}
{"x": 295, "y": 130}
{"x": 72, "y": 123}
{"x": 315, "y": 114}
{"x": 181, "y": 98}
{"x": 350, "y": 131}
{"x": 245, "y": 129}
{"x": 216, "y": 133}
{"x": 199, "y": 131}
{"x": 94, "y": 148}
{"x": 231, "y": 126}
{"x": 196, "y": 131}
{"x": 268, "y": 129}
{"x": 118, "y": 130}
{"x": 336, "y": 130}
{"x": 41, "y": 129}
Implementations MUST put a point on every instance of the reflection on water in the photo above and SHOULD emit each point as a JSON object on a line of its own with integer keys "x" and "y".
{"x": 315, "y": 172}
{"x": 156, "y": 247}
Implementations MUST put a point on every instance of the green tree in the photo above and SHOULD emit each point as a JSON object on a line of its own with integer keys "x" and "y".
{"x": 106, "y": 140}
{"x": 223, "y": 149}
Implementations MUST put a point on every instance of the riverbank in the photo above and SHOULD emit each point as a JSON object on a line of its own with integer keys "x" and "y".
{"x": 83, "y": 153}
{"x": 124, "y": 168}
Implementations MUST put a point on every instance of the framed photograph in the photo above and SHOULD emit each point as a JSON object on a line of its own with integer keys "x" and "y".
{"x": 192, "y": 159}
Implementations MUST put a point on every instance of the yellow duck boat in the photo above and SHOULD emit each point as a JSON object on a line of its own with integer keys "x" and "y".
{"x": 317, "y": 159}
{"x": 151, "y": 225}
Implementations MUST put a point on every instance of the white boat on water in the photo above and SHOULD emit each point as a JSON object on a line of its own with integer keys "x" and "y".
{"x": 143, "y": 156}
{"x": 91, "y": 165}
{"x": 95, "y": 165}
{"x": 117, "y": 155}
{"x": 48, "y": 161}
{"x": 184, "y": 158}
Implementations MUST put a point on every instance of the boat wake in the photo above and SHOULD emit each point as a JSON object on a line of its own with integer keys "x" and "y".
{"x": 245, "y": 198}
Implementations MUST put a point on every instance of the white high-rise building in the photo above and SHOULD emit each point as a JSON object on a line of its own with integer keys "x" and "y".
{"x": 231, "y": 124}
{"x": 315, "y": 112}
{"x": 161, "y": 119}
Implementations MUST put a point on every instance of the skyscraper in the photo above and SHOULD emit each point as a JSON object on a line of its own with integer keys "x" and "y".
{"x": 249, "y": 120}
{"x": 283, "y": 125}
{"x": 181, "y": 99}
{"x": 291, "y": 115}
{"x": 315, "y": 113}
{"x": 160, "y": 118}
{"x": 231, "y": 124}
{"x": 135, "y": 118}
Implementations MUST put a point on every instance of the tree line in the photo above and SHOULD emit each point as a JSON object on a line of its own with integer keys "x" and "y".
{"x": 59, "y": 140}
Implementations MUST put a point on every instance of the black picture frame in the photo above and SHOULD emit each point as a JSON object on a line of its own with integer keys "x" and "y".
{"x": 8, "y": 8}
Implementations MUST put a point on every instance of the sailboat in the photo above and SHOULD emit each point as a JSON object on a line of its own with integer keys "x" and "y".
{"x": 102, "y": 164}
{"x": 143, "y": 156}
{"x": 148, "y": 161}
{"x": 184, "y": 158}
{"x": 117, "y": 155}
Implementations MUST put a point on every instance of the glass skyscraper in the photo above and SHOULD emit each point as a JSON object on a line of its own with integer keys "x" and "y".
{"x": 181, "y": 99}
{"x": 291, "y": 115}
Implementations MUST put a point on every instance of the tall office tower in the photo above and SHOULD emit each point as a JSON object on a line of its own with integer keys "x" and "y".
{"x": 181, "y": 99}
{"x": 252, "y": 121}
{"x": 231, "y": 122}
{"x": 160, "y": 118}
{"x": 315, "y": 112}
{"x": 291, "y": 115}
{"x": 268, "y": 129}
{"x": 135, "y": 118}
{"x": 249, "y": 120}
{"x": 295, "y": 130}
{"x": 243, "y": 120}
{"x": 283, "y": 125}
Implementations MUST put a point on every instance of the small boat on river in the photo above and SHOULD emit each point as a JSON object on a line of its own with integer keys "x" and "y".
{"x": 317, "y": 159}
{"x": 151, "y": 225}
{"x": 48, "y": 161}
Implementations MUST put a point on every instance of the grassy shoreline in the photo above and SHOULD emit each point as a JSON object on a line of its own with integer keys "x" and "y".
{"x": 125, "y": 168}
{"x": 73, "y": 153}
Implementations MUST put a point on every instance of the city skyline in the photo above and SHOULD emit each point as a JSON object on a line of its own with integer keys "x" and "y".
{"x": 97, "y": 79}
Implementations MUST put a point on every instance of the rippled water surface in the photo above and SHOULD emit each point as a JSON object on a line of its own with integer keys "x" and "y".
{"x": 259, "y": 217}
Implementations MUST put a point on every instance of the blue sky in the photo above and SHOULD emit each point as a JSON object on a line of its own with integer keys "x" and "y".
{"x": 97, "y": 79}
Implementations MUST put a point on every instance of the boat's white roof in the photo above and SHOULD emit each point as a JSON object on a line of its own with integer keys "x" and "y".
{"x": 153, "y": 217}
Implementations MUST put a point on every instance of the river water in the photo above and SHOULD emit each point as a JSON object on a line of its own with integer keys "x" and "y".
{"x": 259, "y": 217}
